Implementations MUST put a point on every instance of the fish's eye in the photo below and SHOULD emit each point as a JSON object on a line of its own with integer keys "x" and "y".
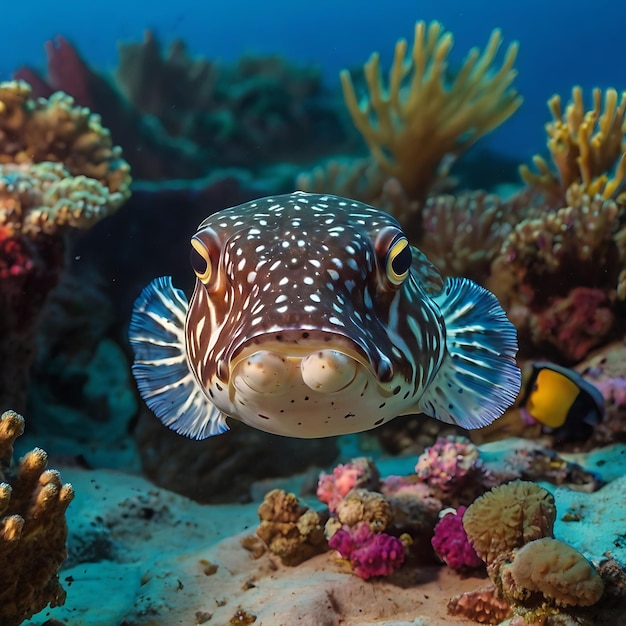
{"x": 200, "y": 261}
{"x": 399, "y": 260}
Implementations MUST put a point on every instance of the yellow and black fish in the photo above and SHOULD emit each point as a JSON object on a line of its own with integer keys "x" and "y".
{"x": 559, "y": 398}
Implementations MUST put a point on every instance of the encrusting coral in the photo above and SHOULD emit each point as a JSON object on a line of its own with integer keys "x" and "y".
{"x": 33, "y": 530}
{"x": 420, "y": 116}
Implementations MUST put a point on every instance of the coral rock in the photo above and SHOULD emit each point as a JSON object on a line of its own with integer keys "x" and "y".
{"x": 361, "y": 505}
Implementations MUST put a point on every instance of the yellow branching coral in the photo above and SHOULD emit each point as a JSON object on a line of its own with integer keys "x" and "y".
{"x": 416, "y": 121}
{"x": 584, "y": 147}
{"x": 33, "y": 531}
{"x": 60, "y": 157}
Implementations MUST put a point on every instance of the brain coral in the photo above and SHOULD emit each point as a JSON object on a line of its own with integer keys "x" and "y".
{"x": 507, "y": 517}
{"x": 558, "y": 572}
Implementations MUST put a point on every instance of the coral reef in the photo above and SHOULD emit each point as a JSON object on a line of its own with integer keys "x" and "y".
{"x": 575, "y": 221}
{"x": 33, "y": 531}
{"x": 291, "y": 531}
{"x": 58, "y": 171}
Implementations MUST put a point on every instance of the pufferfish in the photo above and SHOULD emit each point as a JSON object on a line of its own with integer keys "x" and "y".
{"x": 313, "y": 316}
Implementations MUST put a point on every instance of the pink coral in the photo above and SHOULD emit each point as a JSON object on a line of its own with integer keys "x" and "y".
{"x": 453, "y": 470}
{"x": 451, "y": 544}
{"x": 370, "y": 554}
{"x": 358, "y": 473}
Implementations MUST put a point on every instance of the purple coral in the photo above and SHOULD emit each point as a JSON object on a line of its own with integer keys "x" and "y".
{"x": 451, "y": 544}
{"x": 360, "y": 472}
{"x": 370, "y": 554}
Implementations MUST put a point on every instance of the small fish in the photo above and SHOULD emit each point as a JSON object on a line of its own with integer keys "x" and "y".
{"x": 559, "y": 398}
{"x": 312, "y": 316}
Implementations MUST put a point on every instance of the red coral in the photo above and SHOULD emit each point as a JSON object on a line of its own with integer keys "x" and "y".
{"x": 450, "y": 542}
{"x": 370, "y": 554}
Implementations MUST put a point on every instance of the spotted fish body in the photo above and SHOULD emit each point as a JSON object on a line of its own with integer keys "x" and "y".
{"x": 312, "y": 316}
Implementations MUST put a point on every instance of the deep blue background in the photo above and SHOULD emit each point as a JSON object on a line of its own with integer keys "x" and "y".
{"x": 563, "y": 42}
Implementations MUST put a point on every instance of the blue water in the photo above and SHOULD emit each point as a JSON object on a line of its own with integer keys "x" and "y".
{"x": 563, "y": 42}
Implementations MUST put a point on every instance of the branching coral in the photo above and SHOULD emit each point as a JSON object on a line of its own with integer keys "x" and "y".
{"x": 584, "y": 147}
{"x": 33, "y": 531}
{"x": 420, "y": 117}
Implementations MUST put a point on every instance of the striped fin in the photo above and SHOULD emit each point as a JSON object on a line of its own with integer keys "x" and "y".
{"x": 478, "y": 378}
{"x": 164, "y": 379}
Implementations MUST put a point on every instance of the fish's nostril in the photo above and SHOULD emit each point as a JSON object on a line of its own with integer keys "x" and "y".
{"x": 328, "y": 371}
{"x": 266, "y": 372}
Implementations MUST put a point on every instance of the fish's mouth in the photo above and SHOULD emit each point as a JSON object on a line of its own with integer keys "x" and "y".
{"x": 272, "y": 364}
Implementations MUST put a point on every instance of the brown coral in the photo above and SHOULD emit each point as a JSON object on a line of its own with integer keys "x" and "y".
{"x": 33, "y": 531}
{"x": 291, "y": 531}
{"x": 418, "y": 119}
{"x": 507, "y": 517}
{"x": 553, "y": 570}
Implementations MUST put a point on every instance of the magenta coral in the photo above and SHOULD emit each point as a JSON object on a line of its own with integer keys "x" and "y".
{"x": 451, "y": 544}
{"x": 370, "y": 554}
{"x": 360, "y": 472}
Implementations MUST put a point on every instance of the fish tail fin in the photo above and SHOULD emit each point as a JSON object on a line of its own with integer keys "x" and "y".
{"x": 478, "y": 378}
{"x": 164, "y": 379}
